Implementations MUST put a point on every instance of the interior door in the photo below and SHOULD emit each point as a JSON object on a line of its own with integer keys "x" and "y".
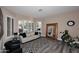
{"x": 51, "y": 30}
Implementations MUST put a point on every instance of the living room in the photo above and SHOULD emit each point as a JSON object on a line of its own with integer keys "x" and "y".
{"x": 35, "y": 22}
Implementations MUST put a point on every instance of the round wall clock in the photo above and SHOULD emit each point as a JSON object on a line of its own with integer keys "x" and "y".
{"x": 70, "y": 23}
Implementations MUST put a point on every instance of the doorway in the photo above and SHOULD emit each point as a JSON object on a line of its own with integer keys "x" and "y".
{"x": 52, "y": 30}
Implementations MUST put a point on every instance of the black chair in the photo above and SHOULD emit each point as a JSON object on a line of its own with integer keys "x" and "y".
{"x": 13, "y": 46}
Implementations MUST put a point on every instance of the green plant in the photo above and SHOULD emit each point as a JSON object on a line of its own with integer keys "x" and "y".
{"x": 66, "y": 37}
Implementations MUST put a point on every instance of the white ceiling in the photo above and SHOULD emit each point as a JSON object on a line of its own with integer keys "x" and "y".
{"x": 47, "y": 11}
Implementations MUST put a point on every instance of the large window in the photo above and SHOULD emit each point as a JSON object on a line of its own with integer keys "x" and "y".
{"x": 38, "y": 26}
{"x": 25, "y": 26}
{"x": 10, "y": 26}
{"x": 28, "y": 26}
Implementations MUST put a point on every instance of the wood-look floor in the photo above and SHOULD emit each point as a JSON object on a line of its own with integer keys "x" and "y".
{"x": 47, "y": 45}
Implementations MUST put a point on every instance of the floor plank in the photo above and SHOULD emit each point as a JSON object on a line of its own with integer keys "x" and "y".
{"x": 46, "y": 45}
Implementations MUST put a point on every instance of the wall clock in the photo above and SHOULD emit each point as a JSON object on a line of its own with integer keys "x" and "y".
{"x": 71, "y": 23}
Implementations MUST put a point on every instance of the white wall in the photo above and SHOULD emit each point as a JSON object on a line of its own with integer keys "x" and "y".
{"x": 61, "y": 20}
{"x": 62, "y": 24}
{"x": 7, "y": 13}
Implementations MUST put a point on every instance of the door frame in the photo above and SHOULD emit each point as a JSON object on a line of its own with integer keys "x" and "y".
{"x": 55, "y": 30}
